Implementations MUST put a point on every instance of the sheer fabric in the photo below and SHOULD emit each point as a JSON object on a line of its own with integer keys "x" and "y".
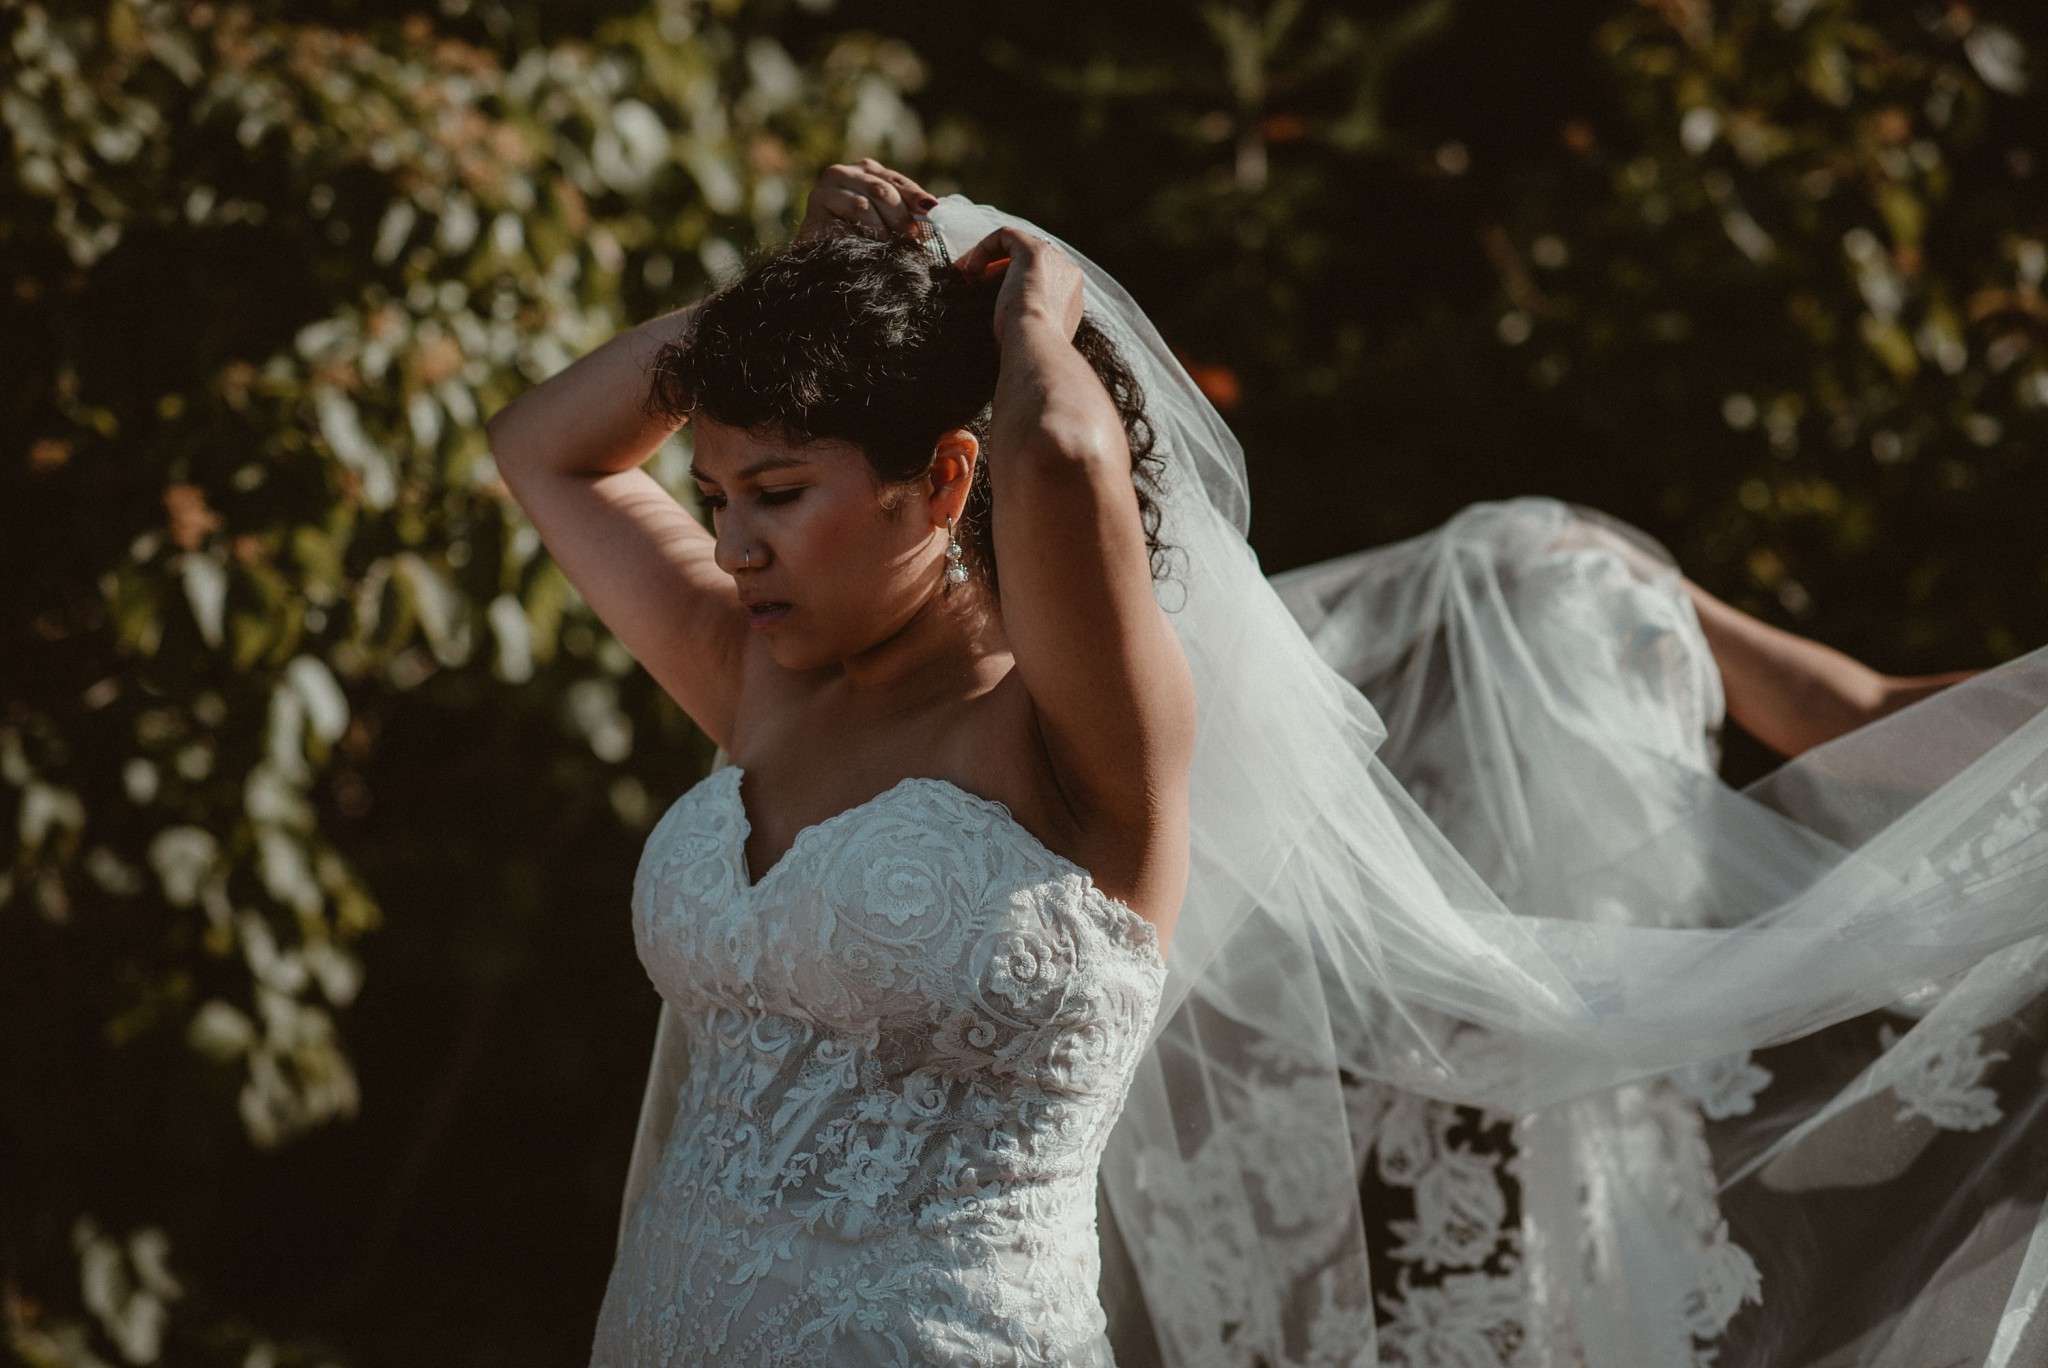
{"x": 1575, "y": 772}
{"x": 1500, "y": 1031}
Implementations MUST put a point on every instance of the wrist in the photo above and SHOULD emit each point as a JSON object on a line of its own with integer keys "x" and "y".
{"x": 1030, "y": 322}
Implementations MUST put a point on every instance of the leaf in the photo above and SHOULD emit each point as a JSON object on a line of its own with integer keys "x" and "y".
{"x": 515, "y": 639}
{"x": 1905, "y": 215}
{"x": 592, "y": 707}
{"x": 135, "y": 604}
{"x": 342, "y": 426}
{"x": 254, "y": 635}
{"x": 1999, "y": 57}
{"x": 206, "y": 590}
{"x": 1829, "y": 76}
{"x": 443, "y": 612}
{"x": 183, "y": 856}
{"x": 221, "y": 1031}
{"x": 46, "y": 808}
{"x": 286, "y": 873}
{"x": 316, "y": 686}
{"x": 1891, "y": 344}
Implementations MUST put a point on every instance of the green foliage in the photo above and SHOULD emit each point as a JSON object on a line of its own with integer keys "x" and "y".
{"x": 1802, "y": 283}
{"x": 283, "y": 665}
{"x": 264, "y": 280}
{"x": 1763, "y": 277}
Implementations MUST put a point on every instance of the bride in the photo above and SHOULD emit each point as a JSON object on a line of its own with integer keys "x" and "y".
{"x": 1451, "y": 1061}
{"x": 918, "y": 925}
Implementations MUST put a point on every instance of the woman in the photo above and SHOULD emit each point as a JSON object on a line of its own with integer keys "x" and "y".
{"x": 907, "y": 1037}
{"x": 908, "y": 1173}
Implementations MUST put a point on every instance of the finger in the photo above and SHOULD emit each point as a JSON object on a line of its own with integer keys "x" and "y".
{"x": 889, "y": 203}
{"x": 883, "y": 189}
{"x": 996, "y": 246}
{"x": 843, "y": 176}
{"x": 914, "y": 195}
{"x": 983, "y": 267}
{"x": 851, "y": 207}
{"x": 883, "y": 194}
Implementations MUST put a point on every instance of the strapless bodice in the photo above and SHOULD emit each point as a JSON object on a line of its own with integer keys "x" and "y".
{"x": 908, "y": 1042}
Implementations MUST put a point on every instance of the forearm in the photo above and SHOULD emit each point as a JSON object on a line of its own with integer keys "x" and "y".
{"x": 1793, "y": 694}
{"x": 589, "y": 418}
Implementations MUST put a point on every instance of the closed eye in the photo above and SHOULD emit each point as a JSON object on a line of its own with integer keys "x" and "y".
{"x": 772, "y": 497}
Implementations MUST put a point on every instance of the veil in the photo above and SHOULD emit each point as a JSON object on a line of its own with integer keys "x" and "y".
{"x": 1459, "y": 855}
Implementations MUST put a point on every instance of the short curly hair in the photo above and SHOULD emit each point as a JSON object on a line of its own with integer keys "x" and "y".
{"x": 874, "y": 343}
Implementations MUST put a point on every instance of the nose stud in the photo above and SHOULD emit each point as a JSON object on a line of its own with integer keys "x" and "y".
{"x": 746, "y": 559}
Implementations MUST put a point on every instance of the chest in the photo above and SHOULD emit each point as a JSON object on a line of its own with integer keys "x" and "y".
{"x": 805, "y": 762}
{"x": 924, "y": 914}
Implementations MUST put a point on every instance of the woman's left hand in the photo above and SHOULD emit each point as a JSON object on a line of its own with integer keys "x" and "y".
{"x": 864, "y": 197}
{"x": 1039, "y": 280}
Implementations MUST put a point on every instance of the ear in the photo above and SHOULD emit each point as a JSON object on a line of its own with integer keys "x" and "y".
{"x": 952, "y": 472}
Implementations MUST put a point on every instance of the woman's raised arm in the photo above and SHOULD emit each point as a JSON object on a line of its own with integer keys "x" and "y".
{"x": 571, "y": 451}
{"x": 1113, "y": 696}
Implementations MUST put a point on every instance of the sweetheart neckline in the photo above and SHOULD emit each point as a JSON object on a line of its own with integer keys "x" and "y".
{"x": 749, "y": 887}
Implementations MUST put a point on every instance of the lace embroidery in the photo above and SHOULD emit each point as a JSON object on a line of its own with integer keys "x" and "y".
{"x": 1454, "y": 1293}
{"x": 1942, "y": 1079}
{"x": 909, "y": 1041}
{"x": 1724, "y": 1087}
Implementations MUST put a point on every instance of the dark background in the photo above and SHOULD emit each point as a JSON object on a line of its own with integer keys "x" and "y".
{"x": 1421, "y": 254}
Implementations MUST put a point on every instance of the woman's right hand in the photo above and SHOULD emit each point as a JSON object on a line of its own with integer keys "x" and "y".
{"x": 1038, "y": 279}
{"x": 863, "y": 197}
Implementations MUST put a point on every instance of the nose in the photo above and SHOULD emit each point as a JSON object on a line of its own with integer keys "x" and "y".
{"x": 736, "y": 548}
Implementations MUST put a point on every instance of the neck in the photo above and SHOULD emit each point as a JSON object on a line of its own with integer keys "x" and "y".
{"x": 952, "y": 639}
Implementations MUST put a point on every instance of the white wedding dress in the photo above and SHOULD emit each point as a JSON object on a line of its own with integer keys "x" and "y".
{"x": 907, "y": 1044}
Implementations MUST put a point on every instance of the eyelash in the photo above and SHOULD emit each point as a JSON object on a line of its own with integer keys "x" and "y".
{"x": 774, "y": 498}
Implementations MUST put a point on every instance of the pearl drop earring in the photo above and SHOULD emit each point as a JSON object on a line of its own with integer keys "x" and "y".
{"x": 956, "y": 572}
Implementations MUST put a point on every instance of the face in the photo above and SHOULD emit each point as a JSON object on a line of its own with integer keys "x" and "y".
{"x": 826, "y": 570}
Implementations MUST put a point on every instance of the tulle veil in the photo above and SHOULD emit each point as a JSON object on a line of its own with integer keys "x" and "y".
{"x": 1771, "y": 1058}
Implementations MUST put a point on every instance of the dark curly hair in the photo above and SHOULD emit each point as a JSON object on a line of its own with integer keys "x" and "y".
{"x": 876, "y": 344}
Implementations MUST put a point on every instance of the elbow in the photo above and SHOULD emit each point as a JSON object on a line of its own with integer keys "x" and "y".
{"x": 498, "y": 427}
{"x": 502, "y": 435}
{"x": 1897, "y": 691}
{"x": 1077, "y": 445}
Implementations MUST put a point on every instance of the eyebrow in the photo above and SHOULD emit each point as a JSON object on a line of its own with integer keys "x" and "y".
{"x": 766, "y": 463}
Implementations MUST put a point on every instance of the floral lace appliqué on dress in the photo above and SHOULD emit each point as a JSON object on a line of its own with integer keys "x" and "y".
{"x": 908, "y": 1043}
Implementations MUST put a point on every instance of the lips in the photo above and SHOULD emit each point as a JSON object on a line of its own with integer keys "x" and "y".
{"x": 766, "y": 612}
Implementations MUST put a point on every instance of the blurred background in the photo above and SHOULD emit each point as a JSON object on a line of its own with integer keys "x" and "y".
{"x": 321, "y": 1031}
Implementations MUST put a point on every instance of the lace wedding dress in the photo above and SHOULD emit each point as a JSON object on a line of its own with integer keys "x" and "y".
{"x": 907, "y": 1044}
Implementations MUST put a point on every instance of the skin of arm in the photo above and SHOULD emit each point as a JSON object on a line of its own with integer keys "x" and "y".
{"x": 1112, "y": 691}
{"x": 571, "y": 451}
{"x": 1791, "y": 693}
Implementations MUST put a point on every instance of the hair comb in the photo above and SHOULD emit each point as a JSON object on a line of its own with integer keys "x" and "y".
{"x": 931, "y": 239}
